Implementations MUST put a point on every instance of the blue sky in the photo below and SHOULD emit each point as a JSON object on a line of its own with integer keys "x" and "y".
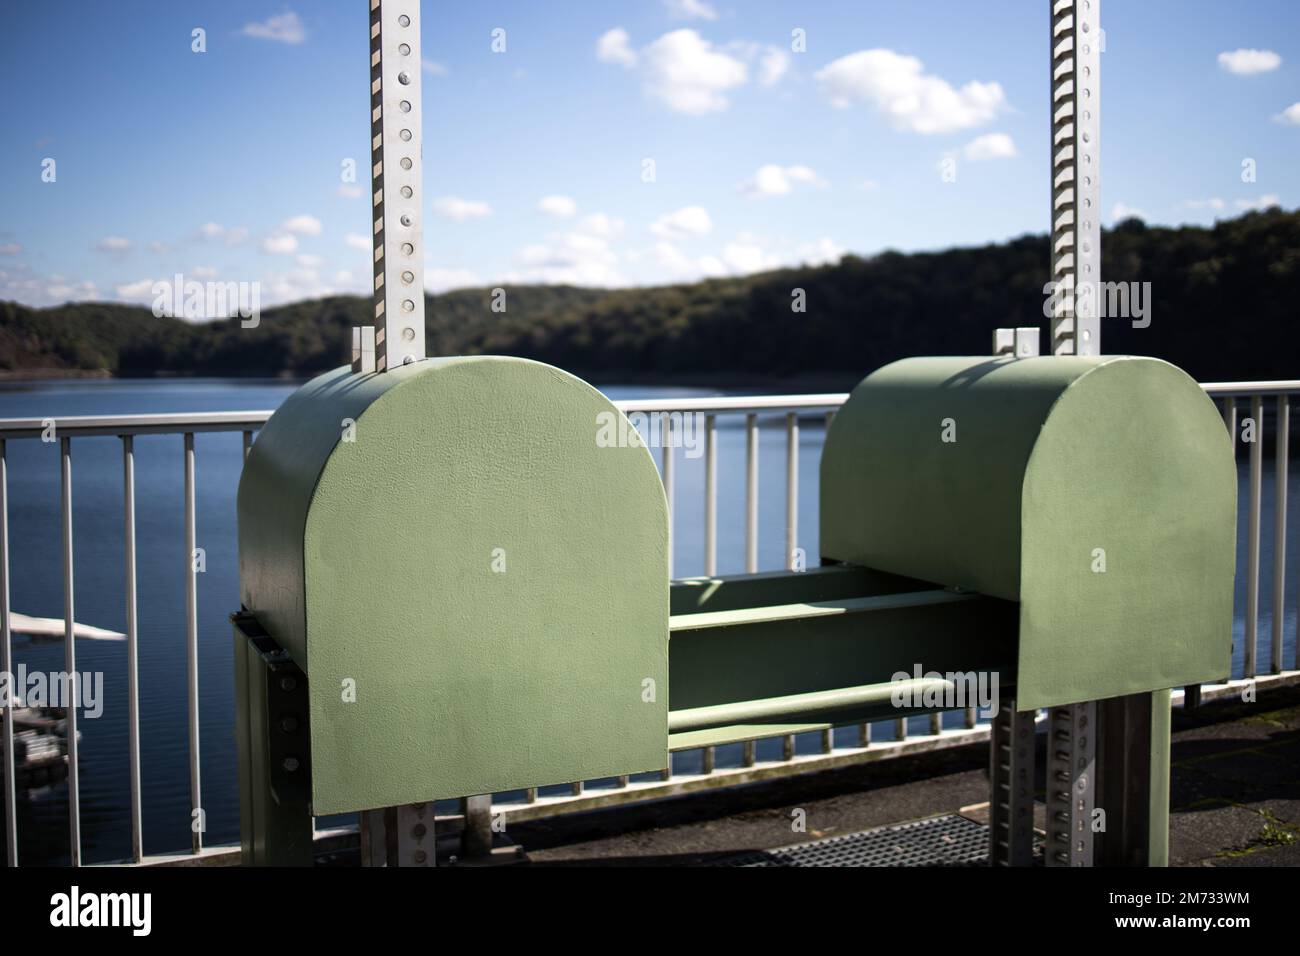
{"x": 227, "y": 164}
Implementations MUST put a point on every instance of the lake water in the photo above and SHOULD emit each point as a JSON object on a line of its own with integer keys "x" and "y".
{"x": 36, "y": 585}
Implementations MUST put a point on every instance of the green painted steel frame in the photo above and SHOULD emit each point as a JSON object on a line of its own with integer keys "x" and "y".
{"x": 834, "y": 628}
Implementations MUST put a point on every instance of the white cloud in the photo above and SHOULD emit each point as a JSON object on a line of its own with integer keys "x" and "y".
{"x": 678, "y": 265}
{"x": 442, "y": 280}
{"x": 561, "y": 207}
{"x": 281, "y": 244}
{"x": 135, "y": 291}
{"x": 234, "y": 235}
{"x": 1248, "y": 62}
{"x": 19, "y": 283}
{"x": 351, "y": 191}
{"x": 746, "y": 257}
{"x": 772, "y": 65}
{"x": 912, "y": 99}
{"x": 433, "y": 68}
{"x": 203, "y": 272}
{"x": 358, "y": 241}
{"x": 613, "y": 47}
{"x": 114, "y": 244}
{"x": 691, "y": 10}
{"x": 688, "y": 221}
{"x": 453, "y": 207}
{"x": 10, "y": 249}
{"x": 303, "y": 225}
{"x": 688, "y": 75}
{"x": 1215, "y": 203}
{"x": 308, "y": 261}
{"x": 773, "y": 180}
{"x": 989, "y": 146}
{"x": 822, "y": 252}
{"x": 569, "y": 258}
{"x": 1260, "y": 204}
{"x": 599, "y": 224}
{"x": 1122, "y": 210}
{"x": 1289, "y": 115}
{"x": 285, "y": 28}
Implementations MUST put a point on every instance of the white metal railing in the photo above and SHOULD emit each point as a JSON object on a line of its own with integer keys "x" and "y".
{"x": 790, "y": 407}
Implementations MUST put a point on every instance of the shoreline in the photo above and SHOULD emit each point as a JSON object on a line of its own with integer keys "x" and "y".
{"x": 804, "y": 383}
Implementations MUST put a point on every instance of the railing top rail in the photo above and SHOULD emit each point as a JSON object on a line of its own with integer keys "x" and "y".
{"x": 174, "y": 423}
{"x": 170, "y": 423}
{"x": 1277, "y": 387}
{"x": 734, "y": 403}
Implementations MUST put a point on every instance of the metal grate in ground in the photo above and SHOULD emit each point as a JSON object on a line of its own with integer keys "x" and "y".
{"x": 939, "y": 841}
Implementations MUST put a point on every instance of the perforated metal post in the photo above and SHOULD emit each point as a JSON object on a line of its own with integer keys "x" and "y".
{"x": 1011, "y": 782}
{"x": 395, "y": 143}
{"x": 1071, "y": 783}
{"x": 1076, "y": 186}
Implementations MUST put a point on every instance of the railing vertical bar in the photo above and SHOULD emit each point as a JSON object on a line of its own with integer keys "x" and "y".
{"x": 1230, "y": 420}
{"x": 791, "y": 488}
{"x": 748, "y": 752}
{"x": 1252, "y": 545}
{"x": 828, "y": 740}
{"x": 70, "y": 654}
{"x": 7, "y": 666}
{"x": 936, "y": 722}
{"x": 971, "y": 718}
{"x": 864, "y": 735}
{"x": 1282, "y": 449}
{"x": 708, "y": 757}
{"x": 900, "y": 728}
{"x": 248, "y": 443}
{"x": 666, "y": 436}
{"x": 751, "y": 493}
{"x": 710, "y": 495}
{"x": 791, "y": 521}
{"x": 192, "y": 646}
{"x": 132, "y": 648}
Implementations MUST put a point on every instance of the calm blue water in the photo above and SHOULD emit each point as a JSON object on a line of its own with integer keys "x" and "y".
{"x": 36, "y": 586}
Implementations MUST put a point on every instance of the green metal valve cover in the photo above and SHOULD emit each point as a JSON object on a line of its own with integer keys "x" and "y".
{"x": 476, "y": 588}
{"x": 1099, "y": 492}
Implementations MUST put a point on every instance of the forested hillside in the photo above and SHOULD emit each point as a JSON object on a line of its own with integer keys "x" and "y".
{"x": 1222, "y": 305}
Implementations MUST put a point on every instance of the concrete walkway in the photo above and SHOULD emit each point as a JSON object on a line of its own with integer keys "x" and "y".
{"x": 1235, "y": 800}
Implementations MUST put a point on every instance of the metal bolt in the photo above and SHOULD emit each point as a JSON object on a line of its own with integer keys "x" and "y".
{"x": 420, "y": 856}
{"x": 288, "y": 683}
{"x": 291, "y": 764}
{"x": 419, "y": 830}
{"x": 289, "y": 724}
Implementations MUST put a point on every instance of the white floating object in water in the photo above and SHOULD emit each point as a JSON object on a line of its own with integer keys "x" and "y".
{"x": 53, "y": 627}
